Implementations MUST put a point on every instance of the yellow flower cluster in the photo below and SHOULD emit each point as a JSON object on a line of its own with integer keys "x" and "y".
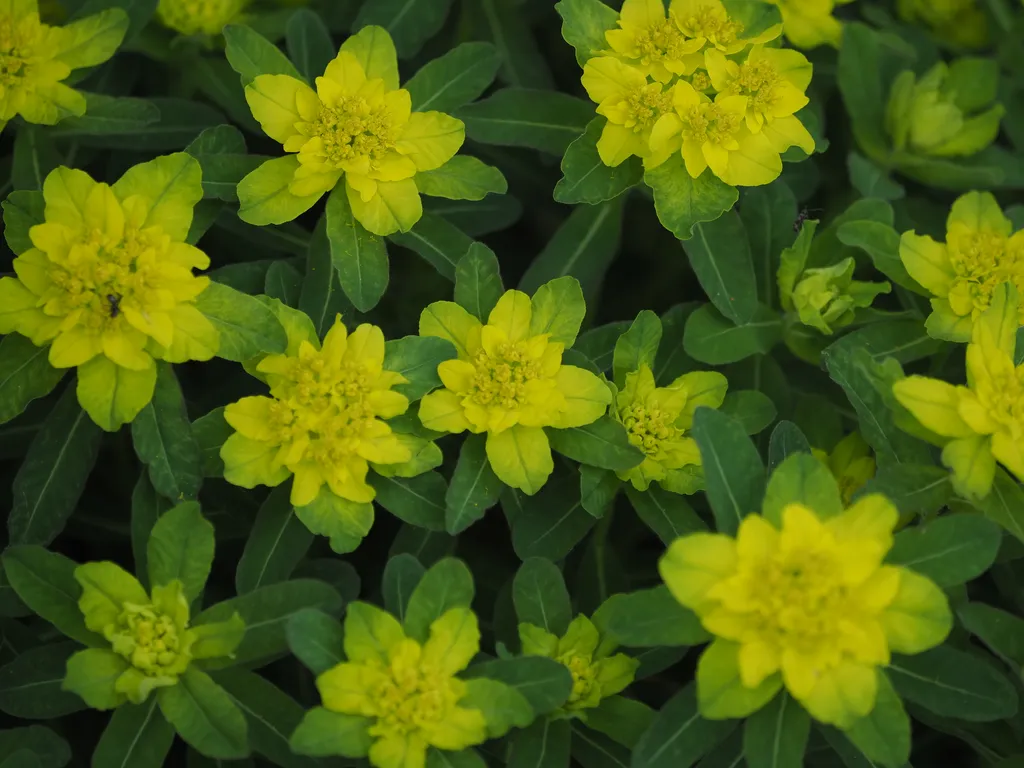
{"x": 960, "y": 22}
{"x": 199, "y": 17}
{"x": 683, "y": 81}
{"x": 810, "y": 23}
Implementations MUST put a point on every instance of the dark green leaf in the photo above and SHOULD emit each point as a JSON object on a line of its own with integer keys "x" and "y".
{"x": 652, "y": 617}
{"x": 316, "y": 639}
{"x": 30, "y": 686}
{"x": 108, "y": 120}
{"x": 474, "y": 487}
{"x": 636, "y": 347}
{"x": 679, "y": 736}
{"x": 205, "y": 716}
{"x": 950, "y": 550}
{"x": 547, "y": 121}
{"x": 210, "y": 433}
{"x": 447, "y": 584}
{"x": 360, "y": 257}
{"x": 733, "y": 471}
{"x": 441, "y": 244}
{"x": 247, "y": 327}
{"x": 277, "y": 543}
{"x": 668, "y": 514}
{"x": 455, "y": 79}
{"x": 884, "y": 735}
{"x": 410, "y": 23}
{"x": 309, "y": 43}
{"x": 540, "y": 596}
{"x": 543, "y": 682}
{"x": 552, "y": 523}
{"x": 545, "y": 744}
{"x": 250, "y": 54}
{"x": 321, "y": 296}
{"x": 34, "y": 157}
{"x": 713, "y": 339}
{"x": 417, "y": 358}
{"x": 720, "y": 255}
{"x": 401, "y": 575}
{"x": 22, "y": 211}
{"x": 478, "y": 281}
{"x": 776, "y": 735}
{"x": 603, "y": 444}
{"x": 1000, "y": 631}
{"x": 753, "y": 409}
{"x": 137, "y": 736}
{"x": 786, "y": 440}
{"x": 585, "y": 177}
{"x": 416, "y": 500}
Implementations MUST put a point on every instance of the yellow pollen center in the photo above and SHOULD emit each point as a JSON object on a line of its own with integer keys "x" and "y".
{"x": 501, "y": 379}
{"x": 661, "y": 41}
{"x": 982, "y": 261}
{"x": 701, "y": 81}
{"x": 710, "y": 123}
{"x": 757, "y": 81}
{"x": 412, "y": 697}
{"x": 711, "y": 23}
{"x": 18, "y": 40}
{"x": 645, "y": 105}
{"x": 149, "y": 641}
{"x": 584, "y": 675}
{"x": 353, "y": 129}
{"x": 647, "y": 428}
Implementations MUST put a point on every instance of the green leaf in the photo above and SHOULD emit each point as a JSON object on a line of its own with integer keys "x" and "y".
{"x": 603, "y": 444}
{"x": 30, "y": 686}
{"x": 711, "y": 338}
{"x": 679, "y": 736}
{"x": 476, "y": 219}
{"x": 162, "y": 436}
{"x": 595, "y": 750}
{"x": 34, "y": 157}
{"x": 266, "y": 612}
{"x": 139, "y": 13}
{"x": 33, "y": 747}
{"x": 53, "y": 475}
{"x": 270, "y": 713}
{"x": 147, "y": 506}
{"x": 466, "y": 758}
{"x": 1001, "y": 631}
{"x": 637, "y": 346}
{"x": 474, "y": 487}
{"x": 583, "y": 247}
{"x": 419, "y": 500}
{"x": 478, "y": 283}
{"x": 401, "y": 575}
{"x": 720, "y": 256}
{"x": 321, "y": 296}
{"x": 322, "y": 734}
{"x": 882, "y": 244}
{"x": 682, "y": 202}
{"x": 553, "y": 523}
{"x": 441, "y": 244}
{"x": 360, "y": 257}
{"x": 309, "y": 43}
{"x": 903, "y": 340}
{"x": 345, "y": 523}
{"x": 455, "y": 79}
{"x": 954, "y": 683}
{"x": 250, "y": 54}
{"x": 884, "y": 735}
{"x": 277, "y": 543}
{"x": 1005, "y": 504}
{"x": 801, "y": 479}
{"x": 284, "y": 283}
{"x": 462, "y": 178}
{"x": 544, "y": 683}
{"x": 446, "y": 584}
{"x": 584, "y": 23}
{"x": 210, "y": 433}
{"x": 247, "y": 327}
{"x": 950, "y": 550}
{"x": 137, "y": 735}
{"x": 22, "y": 211}
{"x": 316, "y": 639}
{"x": 221, "y": 153}
{"x": 540, "y": 596}
{"x": 652, "y": 617}
{"x": 733, "y": 471}
{"x": 622, "y": 719}
{"x": 417, "y": 358}
{"x": 753, "y": 409}
{"x": 767, "y": 213}
{"x": 177, "y": 123}
{"x": 205, "y": 716}
{"x": 776, "y": 735}
{"x": 786, "y": 440}
{"x": 502, "y": 706}
{"x": 523, "y": 63}
{"x": 544, "y": 744}
{"x": 871, "y": 180}
{"x": 409, "y": 22}
{"x": 598, "y": 488}
{"x": 107, "y": 120}
{"x": 45, "y": 582}
{"x": 861, "y": 82}
{"x": 585, "y": 177}
{"x": 181, "y": 547}
{"x": 547, "y": 121}
{"x": 668, "y": 514}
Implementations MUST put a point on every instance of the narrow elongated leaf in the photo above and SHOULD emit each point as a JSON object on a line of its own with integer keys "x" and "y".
{"x": 719, "y": 253}
{"x": 652, "y": 617}
{"x": 447, "y": 584}
{"x": 321, "y": 296}
{"x": 205, "y": 716}
{"x": 360, "y": 257}
{"x": 455, "y": 79}
{"x": 147, "y": 506}
{"x": 603, "y": 444}
{"x": 277, "y": 543}
{"x": 544, "y": 683}
{"x": 416, "y": 500}
{"x": 316, "y": 639}
{"x": 1005, "y": 504}
{"x": 440, "y": 243}
{"x": 410, "y": 23}
{"x": 247, "y": 327}
{"x": 25, "y": 374}
{"x": 585, "y": 177}
{"x": 553, "y": 522}
{"x": 786, "y": 440}
{"x": 250, "y": 54}
{"x": 545, "y": 744}
{"x": 679, "y": 736}
{"x": 668, "y": 514}
{"x": 474, "y": 487}
{"x": 768, "y": 214}
{"x": 713, "y": 339}
{"x": 540, "y": 596}
{"x": 950, "y": 550}
{"x": 547, "y": 121}
{"x": 107, "y": 120}
{"x": 137, "y": 735}
{"x": 401, "y": 575}
{"x": 309, "y": 43}
{"x": 733, "y": 471}
{"x": 34, "y": 157}
{"x": 776, "y": 735}
{"x": 1001, "y": 631}
{"x": 30, "y": 686}
{"x": 522, "y": 63}
{"x": 53, "y": 474}
{"x": 478, "y": 283}
{"x": 162, "y": 436}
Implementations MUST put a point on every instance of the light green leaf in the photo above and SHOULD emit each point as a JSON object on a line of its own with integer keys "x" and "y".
{"x": 585, "y": 177}
{"x": 181, "y": 547}
{"x": 316, "y": 639}
{"x": 360, "y": 257}
{"x": 205, "y": 716}
{"x": 478, "y": 283}
{"x": 247, "y": 328}
{"x": 447, "y": 584}
{"x": 682, "y": 202}
{"x": 324, "y": 734}
{"x": 462, "y": 178}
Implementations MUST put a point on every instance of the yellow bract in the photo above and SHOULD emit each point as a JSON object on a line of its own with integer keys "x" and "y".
{"x": 773, "y": 81}
{"x": 657, "y": 420}
{"x": 806, "y": 604}
{"x": 408, "y": 691}
{"x": 324, "y": 419}
{"x": 979, "y": 254}
{"x": 810, "y": 23}
{"x": 983, "y": 422}
{"x": 961, "y": 22}
{"x": 850, "y": 463}
{"x": 36, "y": 57}
{"x": 357, "y": 125}
{"x": 199, "y": 17}
{"x": 109, "y": 283}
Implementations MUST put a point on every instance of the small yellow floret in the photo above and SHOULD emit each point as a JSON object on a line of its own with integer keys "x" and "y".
{"x": 199, "y": 17}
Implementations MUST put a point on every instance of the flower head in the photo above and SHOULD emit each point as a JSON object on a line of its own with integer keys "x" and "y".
{"x": 199, "y": 17}
{"x": 850, "y": 463}
{"x": 810, "y": 23}
{"x": 983, "y": 422}
{"x": 772, "y": 79}
{"x": 827, "y": 298}
{"x": 979, "y": 254}
{"x": 802, "y": 600}
{"x": 357, "y": 126}
{"x": 151, "y": 642}
{"x": 657, "y": 420}
{"x": 109, "y": 284}
{"x": 509, "y": 381}
{"x": 324, "y": 421}
{"x": 960, "y": 22}
{"x": 713, "y": 134}
{"x": 650, "y": 38}
{"x": 35, "y": 58}
{"x": 596, "y": 673}
{"x": 407, "y": 692}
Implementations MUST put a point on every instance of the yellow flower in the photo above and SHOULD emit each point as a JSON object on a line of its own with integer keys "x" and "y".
{"x": 979, "y": 254}
{"x": 803, "y": 602}
{"x": 773, "y": 80}
{"x": 509, "y": 382}
{"x": 408, "y": 691}
{"x": 109, "y": 283}
{"x": 199, "y": 17}
{"x": 809, "y": 23}
{"x": 324, "y": 419}
{"x": 713, "y": 134}
{"x": 36, "y": 57}
{"x": 356, "y": 125}
{"x": 983, "y": 422}
{"x": 151, "y": 643}
{"x": 960, "y": 22}
{"x": 596, "y": 673}
{"x": 632, "y": 105}
{"x": 657, "y": 420}
{"x": 850, "y": 463}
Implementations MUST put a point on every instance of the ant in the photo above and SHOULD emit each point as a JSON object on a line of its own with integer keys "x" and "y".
{"x": 803, "y": 216}
{"x": 115, "y": 304}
